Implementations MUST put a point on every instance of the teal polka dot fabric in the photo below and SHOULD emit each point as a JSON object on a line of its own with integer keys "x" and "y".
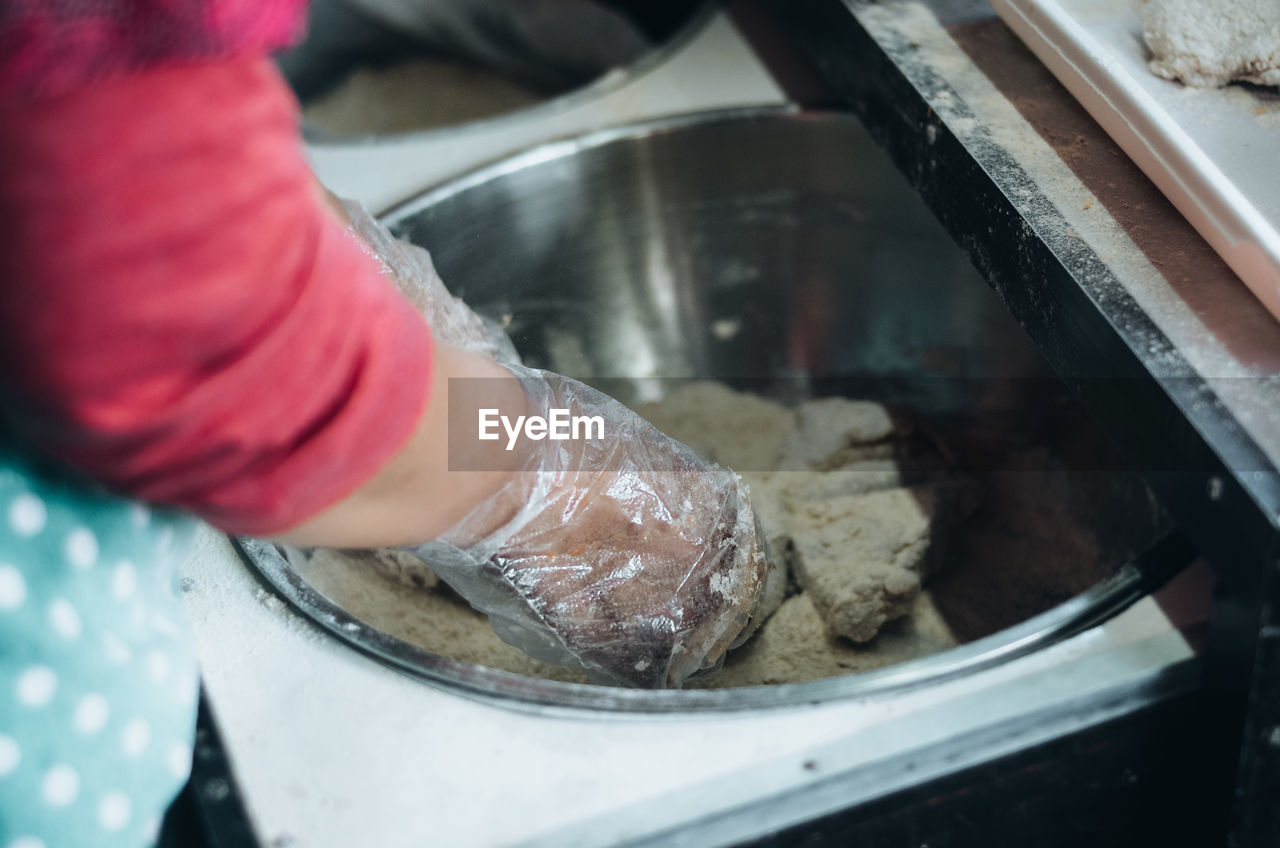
{"x": 98, "y": 682}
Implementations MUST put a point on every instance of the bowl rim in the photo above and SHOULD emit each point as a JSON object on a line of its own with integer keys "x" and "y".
{"x": 1096, "y": 605}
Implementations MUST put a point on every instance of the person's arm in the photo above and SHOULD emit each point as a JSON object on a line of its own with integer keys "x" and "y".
{"x": 185, "y": 319}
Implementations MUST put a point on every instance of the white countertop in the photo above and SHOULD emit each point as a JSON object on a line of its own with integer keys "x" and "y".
{"x": 331, "y": 748}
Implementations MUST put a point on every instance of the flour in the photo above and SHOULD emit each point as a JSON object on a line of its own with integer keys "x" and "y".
{"x": 1209, "y": 43}
{"x": 795, "y": 646}
{"x": 434, "y": 619}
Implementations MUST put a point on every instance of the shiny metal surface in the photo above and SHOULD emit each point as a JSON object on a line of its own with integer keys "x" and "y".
{"x": 613, "y": 255}
{"x": 622, "y": 257}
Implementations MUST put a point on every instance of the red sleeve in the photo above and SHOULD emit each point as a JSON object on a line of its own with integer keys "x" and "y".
{"x": 179, "y": 316}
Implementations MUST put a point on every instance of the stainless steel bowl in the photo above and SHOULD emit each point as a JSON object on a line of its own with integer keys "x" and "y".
{"x": 621, "y": 256}
{"x": 346, "y": 36}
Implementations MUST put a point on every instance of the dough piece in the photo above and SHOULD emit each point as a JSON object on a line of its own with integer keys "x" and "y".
{"x": 836, "y": 432}
{"x": 1209, "y": 43}
{"x": 737, "y": 430}
{"x": 775, "y": 493}
{"x": 861, "y": 558}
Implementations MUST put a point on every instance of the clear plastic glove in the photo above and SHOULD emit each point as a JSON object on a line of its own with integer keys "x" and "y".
{"x": 411, "y": 269}
{"x": 626, "y": 555}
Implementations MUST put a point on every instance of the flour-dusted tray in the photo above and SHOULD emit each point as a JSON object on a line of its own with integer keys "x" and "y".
{"x": 1214, "y": 153}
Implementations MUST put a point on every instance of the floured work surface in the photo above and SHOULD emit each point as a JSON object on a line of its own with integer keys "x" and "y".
{"x": 893, "y": 551}
{"x": 1210, "y": 151}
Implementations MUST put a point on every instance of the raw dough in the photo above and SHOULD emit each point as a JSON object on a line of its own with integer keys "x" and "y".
{"x": 1209, "y": 43}
{"x": 834, "y": 432}
{"x": 859, "y": 547}
{"x": 862, "y": 558}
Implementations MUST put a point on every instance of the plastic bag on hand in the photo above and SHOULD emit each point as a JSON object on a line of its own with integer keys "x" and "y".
{"x": 628, "y": 555}
{"x": 414, "y": 274}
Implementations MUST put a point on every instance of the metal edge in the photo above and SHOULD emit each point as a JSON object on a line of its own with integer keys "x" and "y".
{"x": 1101, "y": 602}
{"x": 790, "y": 814}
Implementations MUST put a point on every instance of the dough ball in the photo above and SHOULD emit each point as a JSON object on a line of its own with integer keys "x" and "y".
{"x": 1209, "y": 43}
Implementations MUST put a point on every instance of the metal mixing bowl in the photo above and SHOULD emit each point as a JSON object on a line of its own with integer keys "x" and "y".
{"x": 622, "y": 257}
{"x": 344, "y": 37}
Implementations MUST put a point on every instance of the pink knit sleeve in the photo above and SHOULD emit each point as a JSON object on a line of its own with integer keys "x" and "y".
{"x": 180, "y": 317}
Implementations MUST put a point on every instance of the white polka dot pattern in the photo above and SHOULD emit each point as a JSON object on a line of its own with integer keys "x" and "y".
{"x": 179, "y": 758}
{"x": 91, "y": 714}
{"x": 151, "y": 830}
{"x": 13, "y": 588}
{"x": 27, "y": 515}
{"x": 60, "y": 786}
{"x": 124, "y": 579}
{"x": 157, "y": 666}
{"x": 64, "y": 619}
{"x": 36, "y": 686}
{"x": 81, "y": 547}
{"x": 95, "y": 728}
{"x": 10, "y": 755}
{"x": 137, "y": 734}
{"x": 114, "y": 811}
